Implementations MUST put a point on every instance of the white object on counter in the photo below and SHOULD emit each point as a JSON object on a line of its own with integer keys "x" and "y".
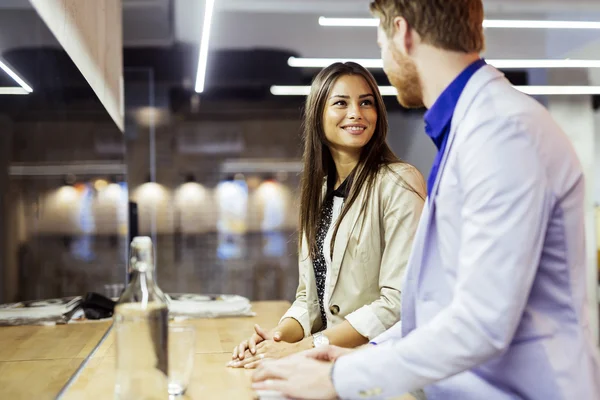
{"x": 270, "y": 395}
{"x": 204, "y": 306}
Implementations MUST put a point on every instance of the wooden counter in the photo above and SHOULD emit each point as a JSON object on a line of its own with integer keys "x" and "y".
{"x": 215, "y": 339}
{"x": 37, "y": 361}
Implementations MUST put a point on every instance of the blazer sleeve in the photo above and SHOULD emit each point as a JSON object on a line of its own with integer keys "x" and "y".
{"x": 504, "y": 213}
{"x": 401, "y": 206}
{"x": 299, "y": 308}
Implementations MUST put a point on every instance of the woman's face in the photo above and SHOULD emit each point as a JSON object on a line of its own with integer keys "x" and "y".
{"x": 350, "y": 115}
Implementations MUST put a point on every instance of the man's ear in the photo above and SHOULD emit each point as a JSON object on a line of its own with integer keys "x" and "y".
{"x": 404, "y": 36}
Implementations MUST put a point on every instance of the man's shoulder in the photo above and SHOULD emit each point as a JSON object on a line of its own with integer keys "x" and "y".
{"x": 501, "y": 105}
{"x": 499, "y": 100}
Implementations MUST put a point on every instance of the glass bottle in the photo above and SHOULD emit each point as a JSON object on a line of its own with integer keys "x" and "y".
{"x": 141, "y": 330}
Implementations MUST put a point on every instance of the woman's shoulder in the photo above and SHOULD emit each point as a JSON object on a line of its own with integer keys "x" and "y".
{"x": 399, "y": 175}
{"x": 398, "y": 168}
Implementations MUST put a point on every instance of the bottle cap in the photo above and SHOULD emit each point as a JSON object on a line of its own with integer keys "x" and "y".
{"x": 141, "y": 241}
{"x": 141, "y": 254}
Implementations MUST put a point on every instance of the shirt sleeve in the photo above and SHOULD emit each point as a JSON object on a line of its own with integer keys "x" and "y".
{"x": 299, "y": 308}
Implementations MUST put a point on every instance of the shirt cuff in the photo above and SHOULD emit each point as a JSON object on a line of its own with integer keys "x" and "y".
{"x": 394, "y": 333}
{"x": 366, "y": 322}
{"x": 346, "y": 384}
{"x": 300, "y": 314}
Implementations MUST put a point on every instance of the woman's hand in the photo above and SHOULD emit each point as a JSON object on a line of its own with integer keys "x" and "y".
{"x": 257, "y": 337}
{"x": 270, "y": 349}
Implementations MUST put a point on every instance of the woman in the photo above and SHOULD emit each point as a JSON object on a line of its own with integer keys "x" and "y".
{"x": 359, "y": 210}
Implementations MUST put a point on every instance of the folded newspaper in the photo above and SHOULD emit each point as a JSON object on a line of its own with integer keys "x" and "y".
{"x": 37, "y": 312}
{"x": 181, "y": 306}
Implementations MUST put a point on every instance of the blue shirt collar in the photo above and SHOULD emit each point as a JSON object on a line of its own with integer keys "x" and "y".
{"x": 438, "y": 117}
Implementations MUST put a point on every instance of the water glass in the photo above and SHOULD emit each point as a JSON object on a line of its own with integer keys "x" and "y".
{"x": 182, "y": 344}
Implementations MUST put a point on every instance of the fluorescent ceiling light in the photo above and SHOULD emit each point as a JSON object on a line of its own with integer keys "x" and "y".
{"x": 324, "y": 21}
{"x": 16, "y": 78}
{"x": 290, "y": 90}
{"x": 559, "y": 90}
{"x": 488, "y": 23}
{"x": 502, "y": 64}
{"x": 391, "y": 91}
{"x": 522, "y": 64}
{"x": 518, "y": 24}
{"x": 324, "y": 62}
{"x": 305, "y": 90}
{"x": 203, "y": 58}
{"x": 13, "y": 90}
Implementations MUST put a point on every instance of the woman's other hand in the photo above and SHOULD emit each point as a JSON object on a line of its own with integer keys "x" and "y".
{"x": 271, "y": 350}
{"x": 257, "y": 337}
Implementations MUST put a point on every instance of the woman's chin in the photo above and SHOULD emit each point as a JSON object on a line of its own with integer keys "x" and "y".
{"x": 356, "y": 142}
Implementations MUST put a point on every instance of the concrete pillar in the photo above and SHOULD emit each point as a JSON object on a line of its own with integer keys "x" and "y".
{"x": 407, "y": 138}
{"x": 6, "y": 128}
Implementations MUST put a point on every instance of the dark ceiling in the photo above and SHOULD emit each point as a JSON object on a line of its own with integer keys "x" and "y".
{"x": 232, "y": 76}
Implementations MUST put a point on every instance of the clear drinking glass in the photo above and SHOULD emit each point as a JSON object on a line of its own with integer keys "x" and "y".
{"x": 182, "y": 344}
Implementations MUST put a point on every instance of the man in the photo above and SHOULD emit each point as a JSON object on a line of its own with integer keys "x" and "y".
{"x": 494, "y": 302}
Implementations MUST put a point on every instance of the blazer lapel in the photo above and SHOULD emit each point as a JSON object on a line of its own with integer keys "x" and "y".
{"x": 474, "y": 86}
{"x": 341, "y": 241}
{"x": 415, "y": 263}
{"x": 409, "y": 286}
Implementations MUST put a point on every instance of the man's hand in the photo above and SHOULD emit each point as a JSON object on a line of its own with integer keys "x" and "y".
{"x": 327, "y": 353}
{"x": 298, "y": 377}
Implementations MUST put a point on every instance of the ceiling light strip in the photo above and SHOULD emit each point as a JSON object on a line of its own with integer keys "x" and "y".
{"x": 203, "y": 57}
{"x": 364, "y": 22}
{"x": 532, "y": 24}
{"x": 16, "y": 77}
{"x": 502, "y": 64}
{"x": 488, "y": 23}
{"x": 560, "y": 90}
{"x": 13, "y": 90}
{"x": 525, "y": 64}
{"x": 391, "y": 91}
{"x": 324, "y": 62}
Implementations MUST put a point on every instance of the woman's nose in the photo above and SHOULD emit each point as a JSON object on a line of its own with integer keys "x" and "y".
{"x": 354, "y": 112}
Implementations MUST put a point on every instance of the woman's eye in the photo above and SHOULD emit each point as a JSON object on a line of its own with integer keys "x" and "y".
{"x": 340, "y": 103}
{"x": 367, "y": 103}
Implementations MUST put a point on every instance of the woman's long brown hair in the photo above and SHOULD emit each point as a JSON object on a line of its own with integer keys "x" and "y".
{"x": 318, "y": 162}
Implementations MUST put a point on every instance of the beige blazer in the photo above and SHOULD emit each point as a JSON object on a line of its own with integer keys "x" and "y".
{"x": 369, "y": 259}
